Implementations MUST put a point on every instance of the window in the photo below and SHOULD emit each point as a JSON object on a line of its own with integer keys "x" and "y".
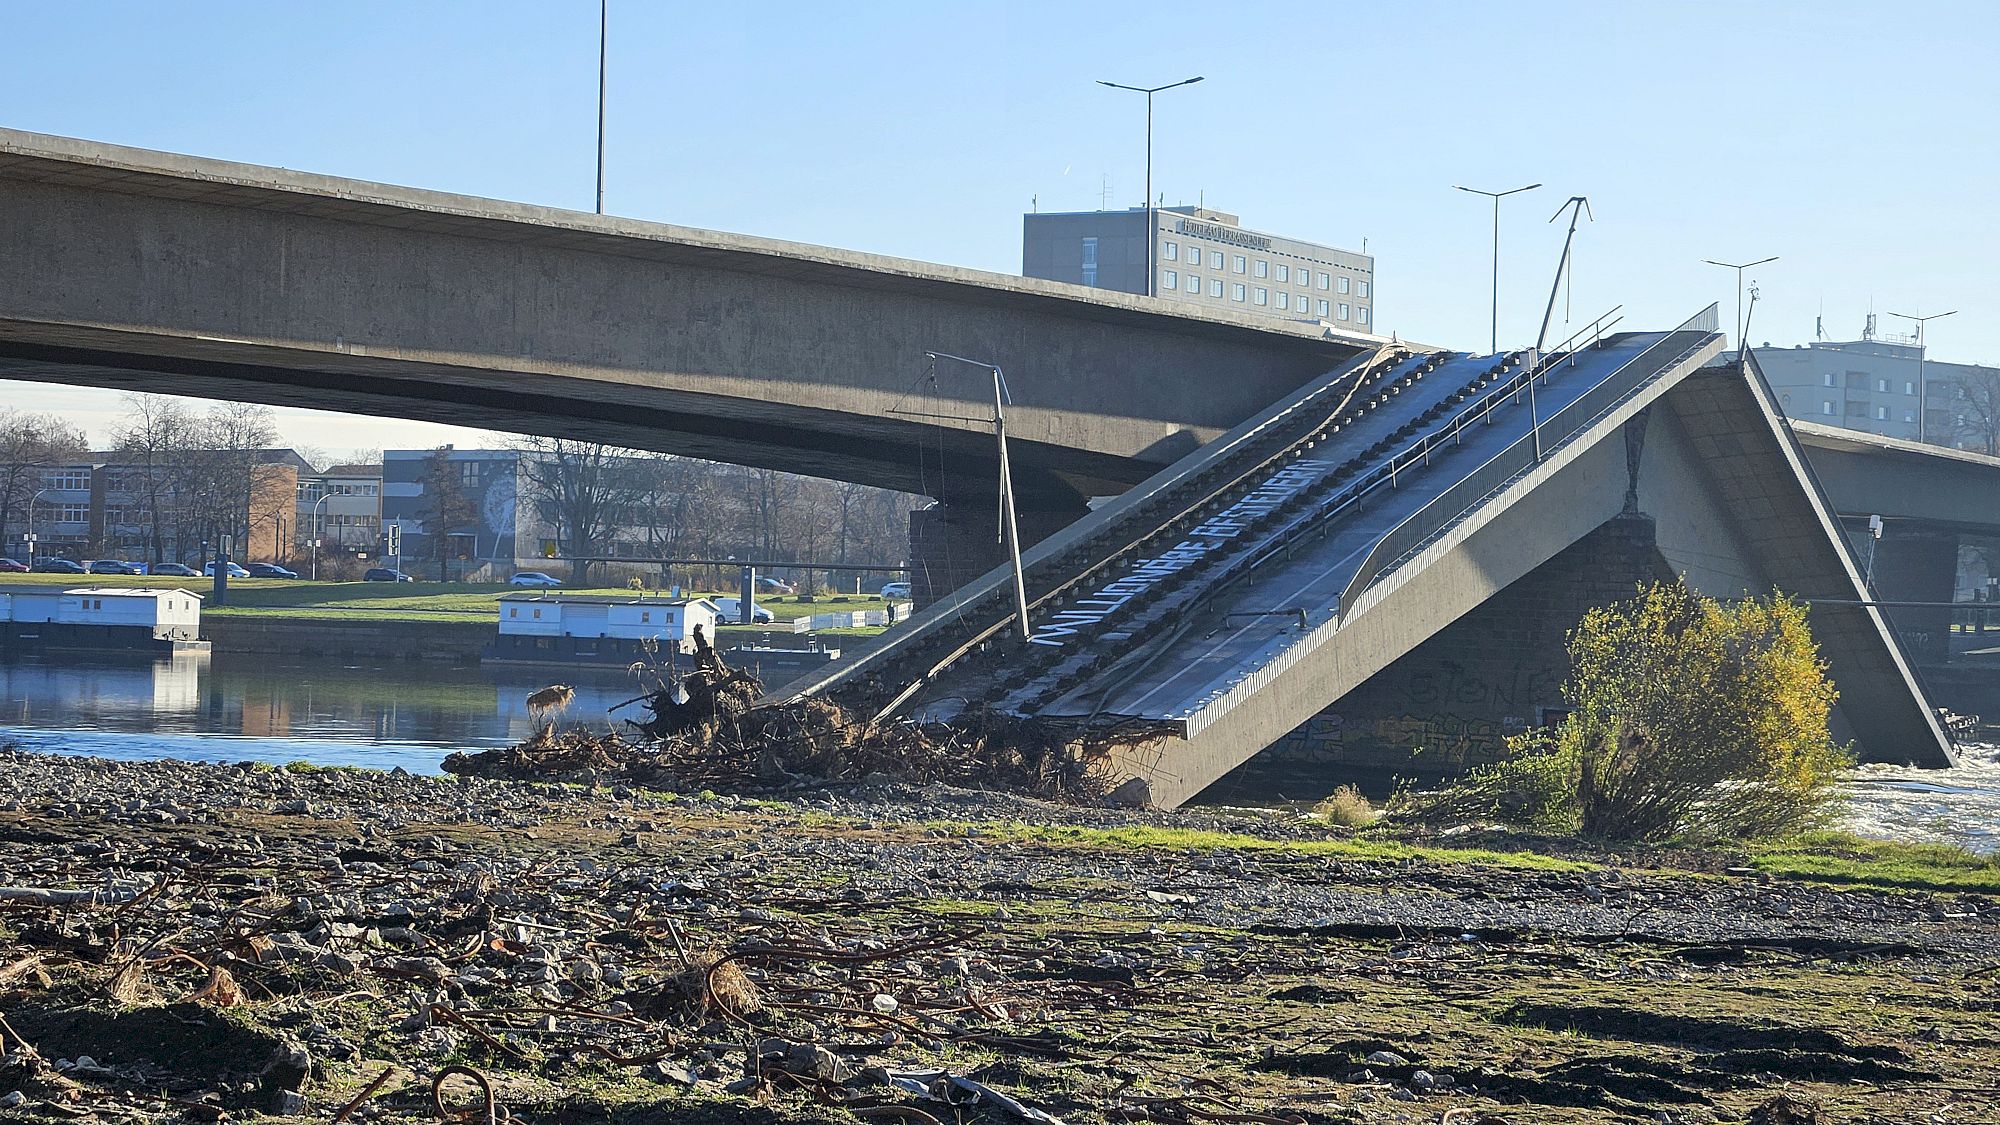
{"x": 1173, "y": 280}
{"x": 1241, "y": 263}
{"x": 67, "y": 480}
{"x": 1909, "y": 388}
{"x": 1262, "y": 268}
{"x": 1170, "y": 251}
{"x": 1194, "y": 255}
{"x": 1909, "y": 415}
{"x": 1881, "y": 414}
{"x": 1882, "y": 385}
{"x": 1361, "y": 314}
{"x": 1261, "y": 296}
{"x": 1343, "y": 310}
{"x": 1215, "y": 287}
{"x": 1284, "y": 272}
{"x": 1324, "y": 309}
{"x": 73, "y": 513}
{"x": 1826, "y": 406}
{"x": 1340, "y": 284}
{"x": 1090, "y": 261}
{"x": 514, "y": 611}
{"x": 645, "y": 617}
{"x": 1284, "y": 300}
{"x": 1215, "y": 259}
{"x": 538, "y": 615}
{"x": 1829, "y": 380}
{"x": 1236, "y": 292}
{"x": 1325, "y": 280}
{"x": 1361, "y": 289}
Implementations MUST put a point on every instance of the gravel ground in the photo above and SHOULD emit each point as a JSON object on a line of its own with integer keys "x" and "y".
{"x": 183, "y": 940}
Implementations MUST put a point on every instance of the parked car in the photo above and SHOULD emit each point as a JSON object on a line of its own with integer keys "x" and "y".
{"x": 730, "y": 612}
{"x": 385, "y": 574}
{"x": 176, "y": 570}
{"x": 234, "y": 570}
{"x": 58, "y": 566}
{"x": 114, "y": 566}
{"x": 271, "y": 570}
{"x": 768, "y": 585}
{"x": 894, "y": 590}
{"x": 533, "y": 578}
{"x": 13, "y": 566}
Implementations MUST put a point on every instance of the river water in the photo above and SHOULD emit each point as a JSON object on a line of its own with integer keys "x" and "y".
{"x": 237, "y": 708}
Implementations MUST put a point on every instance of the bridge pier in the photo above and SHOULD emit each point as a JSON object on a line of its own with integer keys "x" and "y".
{"x": 952, "y": 544}
{"x": 1915, "y": 563}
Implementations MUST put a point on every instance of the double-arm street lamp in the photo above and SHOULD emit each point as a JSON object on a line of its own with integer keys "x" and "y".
{"x": 1496, "y": 197}
{"x": 1922, "y": 395}
{"x": 1151, "y": 234}
{"x": 1740, "y": 341}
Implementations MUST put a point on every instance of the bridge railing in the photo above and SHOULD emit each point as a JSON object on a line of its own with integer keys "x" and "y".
{"x": 1447, "y": 507}
{"x": 1420, "y": 450}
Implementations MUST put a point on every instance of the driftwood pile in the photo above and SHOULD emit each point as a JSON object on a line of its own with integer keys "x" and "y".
{"x": 707, "y": 732}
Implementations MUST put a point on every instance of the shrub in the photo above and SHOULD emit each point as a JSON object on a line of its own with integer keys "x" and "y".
{"x": 1347, "y": 807}
{"x": 1690, "y": 718}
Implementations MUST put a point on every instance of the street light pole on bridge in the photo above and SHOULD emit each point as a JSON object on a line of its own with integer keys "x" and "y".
{"x": 1496, "y": 196}
{"x": 1151, "y": 234}
{"x": 1923, "y": 398}
{"x": 1740, "y": 341}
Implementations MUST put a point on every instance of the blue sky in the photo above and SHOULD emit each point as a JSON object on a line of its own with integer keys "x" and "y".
{"x": 1856, "y": 141}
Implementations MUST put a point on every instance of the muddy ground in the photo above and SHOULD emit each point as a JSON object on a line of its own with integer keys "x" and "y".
{"x": 186, "y": 942}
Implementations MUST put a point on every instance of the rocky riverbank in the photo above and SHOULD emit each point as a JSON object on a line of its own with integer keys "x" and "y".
{"x": 195, "y": 942}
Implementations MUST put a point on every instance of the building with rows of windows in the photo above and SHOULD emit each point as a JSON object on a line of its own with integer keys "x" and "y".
{"x": 1202, "y": 256}
{"x": 1872, "y": 385}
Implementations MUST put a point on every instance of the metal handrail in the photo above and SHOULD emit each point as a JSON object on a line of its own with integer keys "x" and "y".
{"x": 1422, "y": 446}
{"x": 1505, "y": 464}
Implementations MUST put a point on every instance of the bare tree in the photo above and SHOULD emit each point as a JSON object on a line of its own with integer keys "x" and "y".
{"x": 156, "y": 438}
{"x": 1978, "y": 414}
{"x": 445, "y": 507}
{"x": 586, "y": 491}
{"x": 30, "y": 443}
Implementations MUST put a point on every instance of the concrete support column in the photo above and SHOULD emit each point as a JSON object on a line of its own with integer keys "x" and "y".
{"x": 1917, "y": 564}
{"x": 951, "y": 544}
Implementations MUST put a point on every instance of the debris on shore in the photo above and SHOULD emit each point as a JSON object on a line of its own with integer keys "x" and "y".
{"x": 707, "y": 731}
{"x": 202, "y": 943}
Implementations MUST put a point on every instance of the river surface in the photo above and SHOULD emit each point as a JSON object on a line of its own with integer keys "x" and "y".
{"x": 237, "y": 708}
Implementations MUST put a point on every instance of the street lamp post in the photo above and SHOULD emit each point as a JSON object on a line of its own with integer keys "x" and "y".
{"x": 323, "y": 496}
{"x": 1151, "y": 234}
{"x": 1740, "y": 341}
{"x": 1922, "y": 390}
{"x": 31, "y": 525}
{"x": 1496, "y": 196}
{"x": 603, "y": 32}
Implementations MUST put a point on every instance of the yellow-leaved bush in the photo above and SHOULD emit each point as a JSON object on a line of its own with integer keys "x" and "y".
{"x": 1691, "y": 718}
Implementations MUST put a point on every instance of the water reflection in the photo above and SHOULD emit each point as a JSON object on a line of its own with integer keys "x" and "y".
{"x": 245, "y": 707}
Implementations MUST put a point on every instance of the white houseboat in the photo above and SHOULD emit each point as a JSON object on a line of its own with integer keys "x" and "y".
{"x": 606, "y": 629}
{"x": 53, "y": 618}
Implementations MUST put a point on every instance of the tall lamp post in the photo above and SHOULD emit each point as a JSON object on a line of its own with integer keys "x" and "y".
{"x": 31, "y": 525}
{"x": 1151, "y": 234}
{"x": 1010, "y": 533}
{"x": 1740, "y": 341}
{"x": 323, "y": 497}
{"x": 1922, "y": 396}
{"x": 603, "y": 31}
{"x": 1496, "y": 197}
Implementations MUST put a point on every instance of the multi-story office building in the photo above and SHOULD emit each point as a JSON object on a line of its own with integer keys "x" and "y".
{"x": 343, "y": 505}
{"x": 1205, "y": 257}
{"x": 1872, "y": 385}
{"x": 505, "y": 531}
{"x": 109, "y": 506}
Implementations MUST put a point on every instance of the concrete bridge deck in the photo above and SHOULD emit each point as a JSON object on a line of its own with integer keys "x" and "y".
{"x": 150, "y": 271}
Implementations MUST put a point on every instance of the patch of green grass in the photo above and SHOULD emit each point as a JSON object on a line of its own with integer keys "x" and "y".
{"x": 1139, "y": 837}
{"x": 1840, "y": 857}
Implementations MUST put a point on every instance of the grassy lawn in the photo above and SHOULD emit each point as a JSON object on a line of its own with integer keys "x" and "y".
{"x": 417, "y": 601}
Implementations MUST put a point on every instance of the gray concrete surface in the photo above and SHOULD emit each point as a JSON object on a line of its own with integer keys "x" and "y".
{"x": 157, "y": 272}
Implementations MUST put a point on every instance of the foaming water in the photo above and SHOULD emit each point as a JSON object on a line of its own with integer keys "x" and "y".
{"x": 1959, "y": 806}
